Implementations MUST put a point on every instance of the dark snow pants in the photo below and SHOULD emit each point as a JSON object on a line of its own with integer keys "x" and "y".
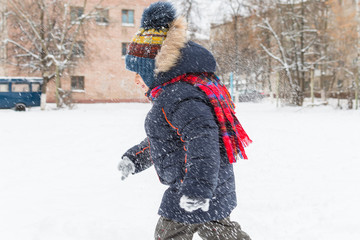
{"x": 218, "y": 230}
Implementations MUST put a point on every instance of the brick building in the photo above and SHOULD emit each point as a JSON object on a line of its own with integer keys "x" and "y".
{"x": 101, "y": 75}
{"x": 3, "y": 34}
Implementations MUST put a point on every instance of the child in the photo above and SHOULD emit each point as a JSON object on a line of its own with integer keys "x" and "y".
{"x": 193, "y": 136}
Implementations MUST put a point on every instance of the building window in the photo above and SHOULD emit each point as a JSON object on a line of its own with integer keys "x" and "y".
{"x": 124, "y": 48}
{"x": 102, "y": 16}
{"x": 316, "y": 84}
{"x": 77, "y": 83}
{"x": 128, "y": 17}
{"x": 76, "y": 13}
{"x": 4, "y": 87}
{"x": 20, "y": 87}
{"x": 340, "y": 83}
{"x": 79, "y": 49}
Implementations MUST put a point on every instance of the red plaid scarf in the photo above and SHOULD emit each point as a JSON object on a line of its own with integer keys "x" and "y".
{"x": 233, "y": 135}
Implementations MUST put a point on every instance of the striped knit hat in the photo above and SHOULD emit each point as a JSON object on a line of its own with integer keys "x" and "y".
{"x": 146, "y": 44}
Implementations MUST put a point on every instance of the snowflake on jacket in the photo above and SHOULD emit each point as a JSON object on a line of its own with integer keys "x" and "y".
{"x": 183, "y": 141}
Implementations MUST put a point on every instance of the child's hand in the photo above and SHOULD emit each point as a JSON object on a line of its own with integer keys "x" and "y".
{"x": 192, "y": 204}
{"x": 126, "y": 166}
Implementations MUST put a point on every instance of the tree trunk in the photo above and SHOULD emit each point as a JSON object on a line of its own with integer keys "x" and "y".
{"x": 350, "y": 102}
{"x": 312, "y": 85}
{"x": 57, "y": 87}
{"x": 43, "y": 93}
{"x": 302, "y": 55}
{"x": 277, "y": 89}
{"x": 357, "y": 89}
{"x": 43, "y": 62}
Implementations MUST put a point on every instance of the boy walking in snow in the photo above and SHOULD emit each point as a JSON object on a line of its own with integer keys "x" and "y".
{"x": 193, "y": 135}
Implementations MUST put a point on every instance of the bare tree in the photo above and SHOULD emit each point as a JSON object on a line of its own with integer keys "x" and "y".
{"x": 2, "y": 35}
{"x": 46, "y": 37}
{"x": 189, "y": 9}
{"x": 232, "y": 43}
{"x": 343, "y": 47}
{"x": 290, "y": 40}
{"x": 294, "y": 38}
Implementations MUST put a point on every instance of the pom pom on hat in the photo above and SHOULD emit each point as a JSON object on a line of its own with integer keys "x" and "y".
{"x": 158, "y": 15}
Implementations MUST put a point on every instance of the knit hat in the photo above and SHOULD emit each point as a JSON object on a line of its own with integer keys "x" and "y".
{"x": 157, "y": 21}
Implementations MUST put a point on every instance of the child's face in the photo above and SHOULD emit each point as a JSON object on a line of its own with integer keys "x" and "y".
{"x": 139, "y": 81}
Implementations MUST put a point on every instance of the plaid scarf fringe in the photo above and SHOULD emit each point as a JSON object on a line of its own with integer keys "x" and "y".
{"x": 233, "y": 135}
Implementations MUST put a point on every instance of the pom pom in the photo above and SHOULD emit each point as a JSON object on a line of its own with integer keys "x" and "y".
{"x": 158, "y": 15}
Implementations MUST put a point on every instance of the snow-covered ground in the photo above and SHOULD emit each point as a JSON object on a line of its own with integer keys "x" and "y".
{"x": 59, "y": 181}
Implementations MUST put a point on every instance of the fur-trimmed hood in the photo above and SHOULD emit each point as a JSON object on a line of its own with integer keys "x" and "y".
{"x": 178, "y": 56}
{"x": 163, "y": 54}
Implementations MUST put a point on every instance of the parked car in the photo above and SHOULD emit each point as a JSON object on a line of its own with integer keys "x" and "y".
{"x": 20, "y": 92}
{"x": 249, "y": 95}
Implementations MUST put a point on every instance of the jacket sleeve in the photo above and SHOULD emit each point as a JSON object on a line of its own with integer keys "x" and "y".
{"x": 195, "y": 123}
{"x": 140, "y": 156}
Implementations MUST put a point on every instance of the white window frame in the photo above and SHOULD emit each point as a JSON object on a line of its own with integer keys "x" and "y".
{"x": 100, "y": 15}
{"x": 127, "y": 24}
{"x": 77, "y": 89}
{"x": 77, "y": 8}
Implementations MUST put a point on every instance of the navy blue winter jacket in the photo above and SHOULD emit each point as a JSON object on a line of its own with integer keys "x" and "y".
{"x": 183, "y": 144}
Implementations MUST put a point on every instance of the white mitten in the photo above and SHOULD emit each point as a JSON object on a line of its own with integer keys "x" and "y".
{"x": 192, "y": 204}
{"x": 126, "y": 166}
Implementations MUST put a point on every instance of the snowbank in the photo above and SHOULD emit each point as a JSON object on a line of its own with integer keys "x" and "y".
{"x": 58, "y": 176}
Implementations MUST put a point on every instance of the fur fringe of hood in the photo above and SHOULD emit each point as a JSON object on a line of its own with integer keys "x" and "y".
{"x": 169, "y": 53}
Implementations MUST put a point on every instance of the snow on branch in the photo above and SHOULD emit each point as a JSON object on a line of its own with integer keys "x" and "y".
{"x": 281, "y": 59}
{"x": 22, "y": 47}
{"x": 272, "y": 55}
